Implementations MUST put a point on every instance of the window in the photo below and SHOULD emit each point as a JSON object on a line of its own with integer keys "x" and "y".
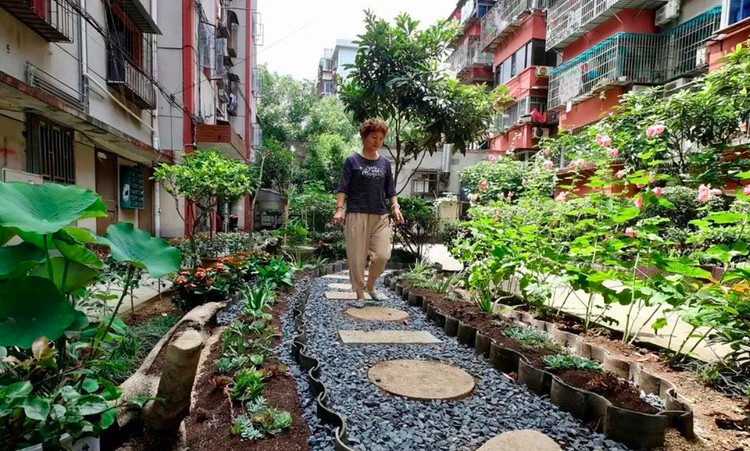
{"x": 49, "y": 150}
{"x": 738, "y": 10}
{"x": 530, "y": 54}
{"x": 207, "y": 41}
{"x": 234, "y": 34}
{"x": 425, "y": 183}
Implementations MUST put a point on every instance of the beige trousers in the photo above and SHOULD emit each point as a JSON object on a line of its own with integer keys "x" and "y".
{"x": 366, "y": 234}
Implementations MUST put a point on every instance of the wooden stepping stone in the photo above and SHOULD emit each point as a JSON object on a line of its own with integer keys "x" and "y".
{"x": 344, "y": 295}
{"x": 377, "y": 314}
{"x": 336, "y": 276}
{"x": 340, "y": 286}
{"x": 422, "y": 380}
{"x": 523, "y": 439}
{"x": 387, "y": 337}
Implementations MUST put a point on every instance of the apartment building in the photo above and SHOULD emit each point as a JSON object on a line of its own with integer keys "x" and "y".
{"x": 607, "y": 48}
{"x": 326, "y": 85}
{"x": 207, "y": 60}
{"x": 91, "y": 94}
{"x": 514, "y": 32}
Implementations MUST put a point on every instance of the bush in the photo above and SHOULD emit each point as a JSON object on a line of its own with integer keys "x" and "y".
{"x": 223, "y": 245}
{"x": 420, "y": 223}
{"x": 507, "y": 179}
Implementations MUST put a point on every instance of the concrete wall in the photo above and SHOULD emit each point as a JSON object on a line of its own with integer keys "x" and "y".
{"x": 169, "y": 70}
{"x": 691, "y": 8}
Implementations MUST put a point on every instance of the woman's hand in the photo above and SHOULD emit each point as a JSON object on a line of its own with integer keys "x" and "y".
{"x": 397, "y": 216}
{"x": 339, "y": 217}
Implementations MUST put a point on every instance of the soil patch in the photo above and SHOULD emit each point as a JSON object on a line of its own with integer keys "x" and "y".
{"x": 208, "y": 424}
{"x": 159, "y": 307}
{"x": 618, "y": 391}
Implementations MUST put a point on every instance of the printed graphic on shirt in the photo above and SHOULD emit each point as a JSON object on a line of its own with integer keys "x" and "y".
{"x": 372, "y": 172}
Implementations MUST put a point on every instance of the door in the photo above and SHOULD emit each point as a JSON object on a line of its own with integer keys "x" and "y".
{"x": 146, "y": 214}
{"x": 106, "y": 186}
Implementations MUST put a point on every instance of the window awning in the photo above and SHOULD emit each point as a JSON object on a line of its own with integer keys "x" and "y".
{"x": 139, "y": 15}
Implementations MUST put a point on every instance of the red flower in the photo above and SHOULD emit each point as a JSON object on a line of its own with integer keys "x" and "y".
{"x": 484, "y": 185}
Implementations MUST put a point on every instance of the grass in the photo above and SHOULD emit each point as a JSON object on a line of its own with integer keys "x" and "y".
{"x": 135, "y": 346}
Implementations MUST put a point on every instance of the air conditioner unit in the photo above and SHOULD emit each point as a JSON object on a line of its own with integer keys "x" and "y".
{"x": 542, "y": 71}
{"x": 667, "y": 13}
{"x": 701, "y": 57}
{"x": 675, "y": 85}
{"x": 540, "y": 132}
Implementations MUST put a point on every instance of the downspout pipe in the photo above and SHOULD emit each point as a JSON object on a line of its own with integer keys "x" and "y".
{"x": 155, "y": 119}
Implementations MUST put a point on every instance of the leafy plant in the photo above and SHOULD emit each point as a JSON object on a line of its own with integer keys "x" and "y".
{"x": 560, "y": 362}
{"x": 229, "y": 364}
{"x": 245, "y": 428}
{"x": 247, "y": 384}
{"x": 261, "y": 420}
{"x": 257, "y": 299}
{"x": 277, "y": 273}
{"x": 531, "y": 337}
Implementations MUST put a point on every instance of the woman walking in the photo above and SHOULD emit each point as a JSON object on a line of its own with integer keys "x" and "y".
{"x": 365, "y": 184}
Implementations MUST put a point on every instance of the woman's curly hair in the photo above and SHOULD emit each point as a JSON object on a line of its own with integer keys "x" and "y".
{"x": 373, "y": 125}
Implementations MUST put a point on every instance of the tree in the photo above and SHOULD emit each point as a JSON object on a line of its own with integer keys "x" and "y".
{"x": 396, "y": 76}
{"x": 329, "y": 116}
{"x": 285, "y": 107}
{"x": 326, "y": 157}
{"x": 205, "y": 179}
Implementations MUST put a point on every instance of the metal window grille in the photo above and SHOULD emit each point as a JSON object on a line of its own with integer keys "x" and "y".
{"x": 503, "y": 18}
{"x": 469, "y": 54}
{"x": 49, "y": 150}
{"x": 685, "y": 39}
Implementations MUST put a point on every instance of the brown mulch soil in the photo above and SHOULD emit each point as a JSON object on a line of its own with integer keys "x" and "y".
{"x": 208, "y": 424}
{"x": 158, "y": 307}
{"x": 617, "y": 390}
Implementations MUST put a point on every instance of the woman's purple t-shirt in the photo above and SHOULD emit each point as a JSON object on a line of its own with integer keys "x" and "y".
{"x": 367, "y": 184}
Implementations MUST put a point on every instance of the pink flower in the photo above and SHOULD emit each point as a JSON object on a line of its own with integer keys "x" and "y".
{"x": 746, "y": 190}
{"x": 561, "y": 197}
{"x": 604, "y": 140}
{"x": 658, "y": 191}
{"x": 181, "y": 280}
{"x": 638, "y": 202}
{"x": 549, "y": 165}
{"x": 577, "y": 163}
{"x": 655, "y": 130}
{"x": 705, "y": 192}
{"x": 484, "y": 185}
{"x": 620, "y": 174}
{"x": 630, "y": 232}
{"x": 547, "y": 151}
{"x": 614, "y": 152}
{"x": 492, "y": 158}
{"x": 219, "y": 266}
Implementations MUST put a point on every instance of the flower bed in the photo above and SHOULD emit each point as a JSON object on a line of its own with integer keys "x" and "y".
{"x": 605, "y": 400}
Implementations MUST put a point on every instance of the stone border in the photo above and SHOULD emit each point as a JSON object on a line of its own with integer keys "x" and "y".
{"x": 312, "y": 366}
{"x": 634, "y": 429}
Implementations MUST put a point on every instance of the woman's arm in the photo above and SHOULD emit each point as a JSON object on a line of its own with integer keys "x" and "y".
{"x": 396, "y": 210}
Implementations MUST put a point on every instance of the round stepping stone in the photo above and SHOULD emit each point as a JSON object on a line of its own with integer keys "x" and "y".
{"x": 523, "y": 439}
{"x": 422, "y": 380}
{"x": 377, "y": 314}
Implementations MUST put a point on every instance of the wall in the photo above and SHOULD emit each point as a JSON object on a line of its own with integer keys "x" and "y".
{"x": 533, "y": 27}
{"x": 627, "y": 20}
{"x": 86, "y": 175}
{"x": 691, "y": 8}
{"x": 519, "y": 137}
{"x": 520, "y": 85}
{"x": 591, "y": 110}
{"x": 169, "y": 63}
{"x": 12, "y": 142}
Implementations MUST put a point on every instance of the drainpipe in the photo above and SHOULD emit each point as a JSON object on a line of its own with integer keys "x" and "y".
{"x": 155, "y": 120}
{"x": 84, "y": 57}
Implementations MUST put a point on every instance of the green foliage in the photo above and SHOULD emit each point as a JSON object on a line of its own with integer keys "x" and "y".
{"x": 261, "y": 420}
{"x": 396, "y": 76}
{"x": 420, "y": 223}
{"x": 278, "y": 165}
{"x": 507, "y": 179}
{"x": 229, "y": 364}
{"x": 314, "y": 206}
{"x": 245, "y": 428}
{"x": 247, "y": 384}
{"x": 277, "y": 273}
{"x": 326, "y": 157}
{"x": 257, "y": 299}
{"x": 140, "y": 249}
{"x": 559, "y": 362}
{"x": 530, "y": 337}
{"x": 293, "y": 233}
{"x": 285, "y": 107}
{"x": 137, "y": 342}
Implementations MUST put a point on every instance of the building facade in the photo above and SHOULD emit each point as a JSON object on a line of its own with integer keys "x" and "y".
{"x": 89, "y": 95}
{"x": 344, "y": 54}
{"x": 326, "y": 75}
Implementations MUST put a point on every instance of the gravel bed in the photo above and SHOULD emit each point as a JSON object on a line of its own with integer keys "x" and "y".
{"x": 380, "y": 422}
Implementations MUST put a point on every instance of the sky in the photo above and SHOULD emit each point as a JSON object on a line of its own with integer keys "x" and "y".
{"x": 297, "y": 31}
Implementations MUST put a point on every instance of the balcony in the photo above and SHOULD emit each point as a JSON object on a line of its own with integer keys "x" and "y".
{"x": 474, "y": 9}
{"x": 220, "y": 137}
{"x": 503, "y": 18}
{"x": 131, "y": 81}
{"x": 469, "y": 56}
{"x": 54, "y": 20}
{"x": 622, "y": 59}
{"x": 628, "y": 58}
{"x": 567, "y": 20}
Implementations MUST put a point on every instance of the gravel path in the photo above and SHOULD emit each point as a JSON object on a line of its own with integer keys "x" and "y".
{"x": 380, "y": 422}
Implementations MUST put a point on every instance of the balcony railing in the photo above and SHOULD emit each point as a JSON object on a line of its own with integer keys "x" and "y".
{"x": 627, "y": 58}
{"x": 469, "y": 55}
{"x": 54, "y": 20}
{"x": 623, "y": 59}
{"x": 133, "y": 82}
{"x": 474, "y": 9}
{"x": 567, "y": 20}
{"x": 503, "y": 18}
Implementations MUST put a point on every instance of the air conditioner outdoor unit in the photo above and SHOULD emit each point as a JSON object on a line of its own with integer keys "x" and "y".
{"x": 667, "y": 13}
{"x": 540, "y": 132}
{"x": 674, "y": 85}
{"x": 701, "y": 57}
{"x": 542, "y": 71}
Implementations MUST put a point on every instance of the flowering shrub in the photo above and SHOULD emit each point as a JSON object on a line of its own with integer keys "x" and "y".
{"x": 504, "y": 178}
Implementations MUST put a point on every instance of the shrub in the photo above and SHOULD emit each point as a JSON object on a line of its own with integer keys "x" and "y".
{"x": 559, "y": 362}
{"x": 420, "y": 223}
